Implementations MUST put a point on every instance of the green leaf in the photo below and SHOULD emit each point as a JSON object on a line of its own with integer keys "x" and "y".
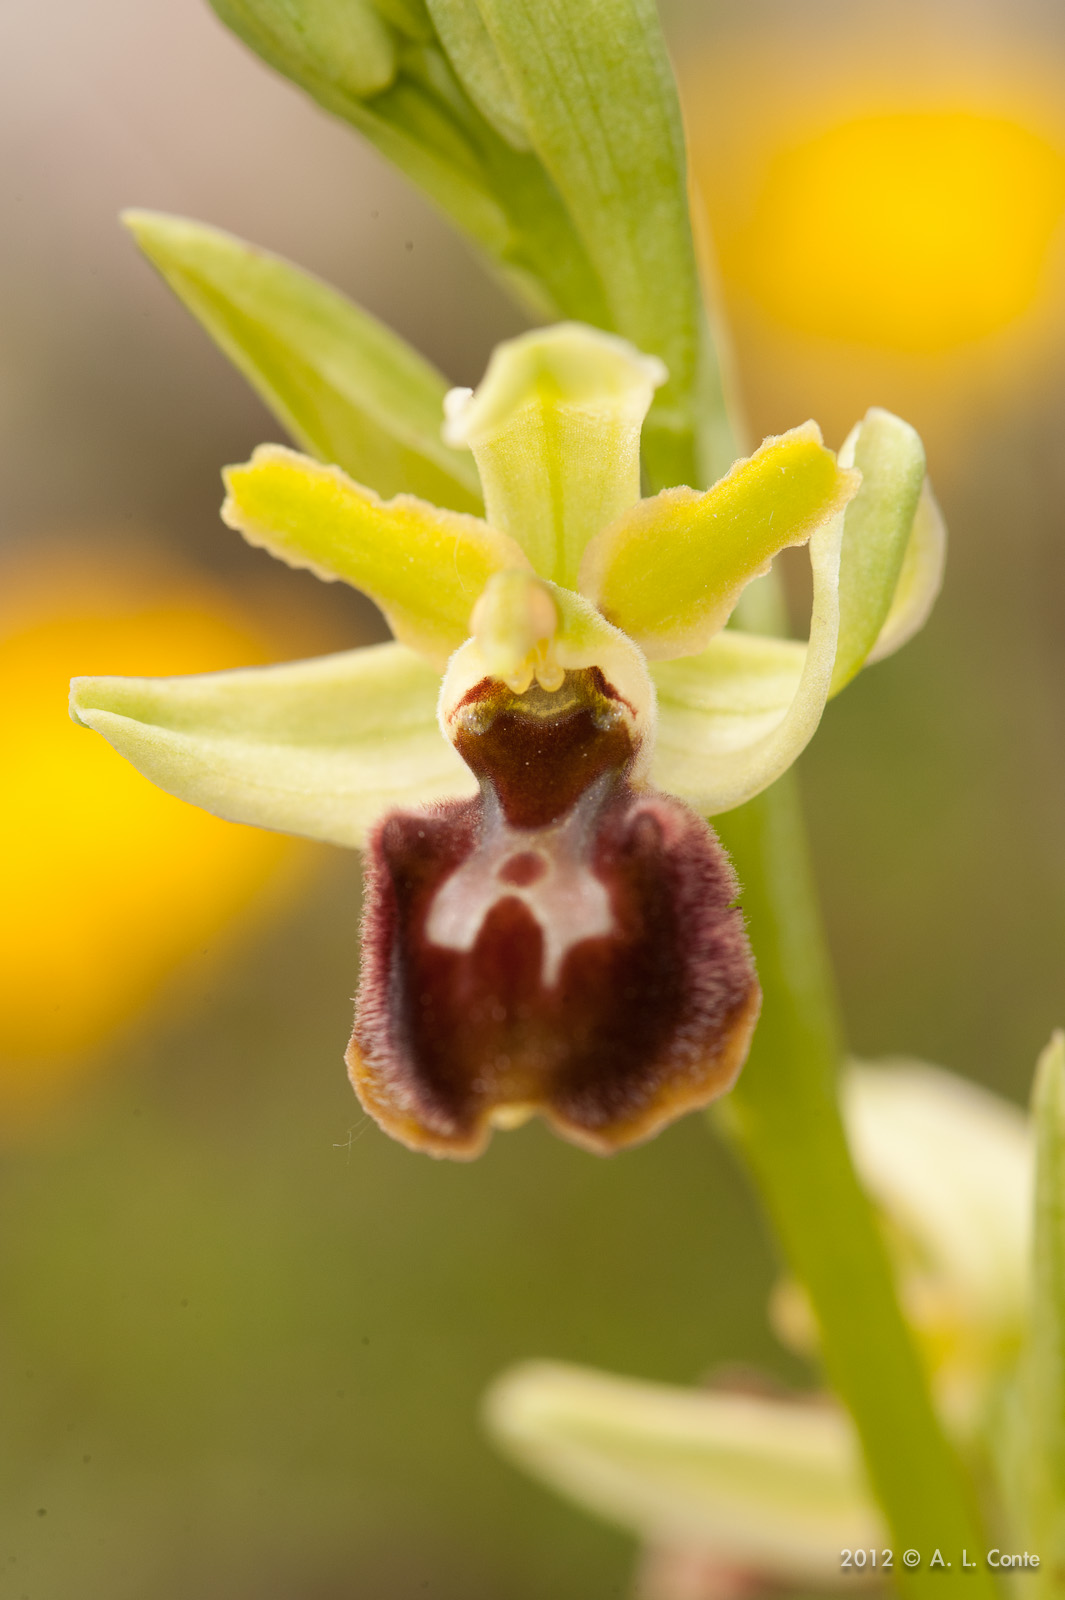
{"x": 733, "y": 719}
{"x": 767, "y": 1487}
{"x": 670, "y": 570}
{"x": 880, "y": 519}
{"x": 430, "y": 128}
{"x": 1038, "y": 1469}
{"x": 554, "y": 427}
{"x": 597, "y": 100}
{"x": 347, "y": 389}
{"x": 424, "y": 567}
{"x": 410, "y": 17}
{"x": 320, "y": 748}
{"x": 472, "y": 54}
{"x": 591, "y": 222}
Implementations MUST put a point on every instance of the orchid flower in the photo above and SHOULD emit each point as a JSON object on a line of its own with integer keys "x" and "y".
{"x": 737, "y": 1490}
{"x": 550, "y": 925}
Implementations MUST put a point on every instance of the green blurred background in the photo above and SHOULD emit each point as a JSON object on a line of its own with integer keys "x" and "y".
{"x": 243, "y": 1335}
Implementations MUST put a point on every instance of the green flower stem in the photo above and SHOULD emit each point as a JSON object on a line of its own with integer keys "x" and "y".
{"x": 784, "y": 1114}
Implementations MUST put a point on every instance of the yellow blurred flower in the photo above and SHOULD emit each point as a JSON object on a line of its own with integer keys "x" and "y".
{"x": 914, "y": 230}
{"x": 107, "y": 884}
{"x": 886, "y": 218}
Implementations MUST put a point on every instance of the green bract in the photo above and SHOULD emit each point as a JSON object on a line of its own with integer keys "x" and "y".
{"x": 343, "y": 385}
{"x": 551, "y": 135}
{"x": 572, "y": 570}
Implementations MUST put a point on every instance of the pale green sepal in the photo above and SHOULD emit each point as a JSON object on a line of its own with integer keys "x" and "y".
{"x": 554, "y": 427}
{"x": 920, "y": 580}
{"x": 763, "y": 1486}
{"x": 348, "y": 389}
{"x": 732, "y": 719}
{"x": 671, "y": 570}
{"x": 469, "y": 48}
{"x": 320, "y": 748}
{"x": 876, "y": 532}
{"x": 573, "y": 638}
{"x": 424, "y": 567}
{"x": 1036, "y": 1485}
{"x": 343, "y": 45}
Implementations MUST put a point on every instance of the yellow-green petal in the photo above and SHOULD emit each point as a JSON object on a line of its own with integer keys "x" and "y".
{"x": 423, "y": 566}
{"x": 876, "y": 532}
{"x": 347, "y": 388}
{"x": 554, "y": 427}
{"x": 760, "y": 1485}
{"x": 320, "y": 748}
{"x": 733, "y": 718}
{"x": 670, "y": 571}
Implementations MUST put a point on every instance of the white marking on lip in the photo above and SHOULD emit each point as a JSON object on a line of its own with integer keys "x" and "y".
{"x": 567, "y": 901}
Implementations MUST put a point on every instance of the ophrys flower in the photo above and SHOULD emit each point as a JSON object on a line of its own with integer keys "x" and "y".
{"x": 546, "y": 930}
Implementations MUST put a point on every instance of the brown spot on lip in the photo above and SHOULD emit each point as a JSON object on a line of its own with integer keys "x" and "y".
{"x": 522, "y": 870}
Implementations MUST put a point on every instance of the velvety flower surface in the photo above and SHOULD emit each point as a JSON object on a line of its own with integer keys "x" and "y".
{"x": 566, "y": 941}
{"x": 550, "y": 925}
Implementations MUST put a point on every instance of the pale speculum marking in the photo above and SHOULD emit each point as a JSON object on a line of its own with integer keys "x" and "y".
{"x": 547, "y": 869}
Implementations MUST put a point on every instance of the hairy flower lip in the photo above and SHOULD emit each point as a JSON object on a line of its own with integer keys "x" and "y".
{"x": 566, "y": 943}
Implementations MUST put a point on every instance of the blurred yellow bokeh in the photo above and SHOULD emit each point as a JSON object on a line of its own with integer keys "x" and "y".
{"x": 887, "y": 220}
{"x": 107, "y": 883}
{"x": 913, "y": 230}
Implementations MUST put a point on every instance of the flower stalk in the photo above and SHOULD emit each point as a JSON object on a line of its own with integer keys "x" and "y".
{"x": 784, "y": 1115}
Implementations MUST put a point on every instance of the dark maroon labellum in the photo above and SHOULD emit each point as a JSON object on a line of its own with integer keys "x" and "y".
{"x": 564, "y": 943}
